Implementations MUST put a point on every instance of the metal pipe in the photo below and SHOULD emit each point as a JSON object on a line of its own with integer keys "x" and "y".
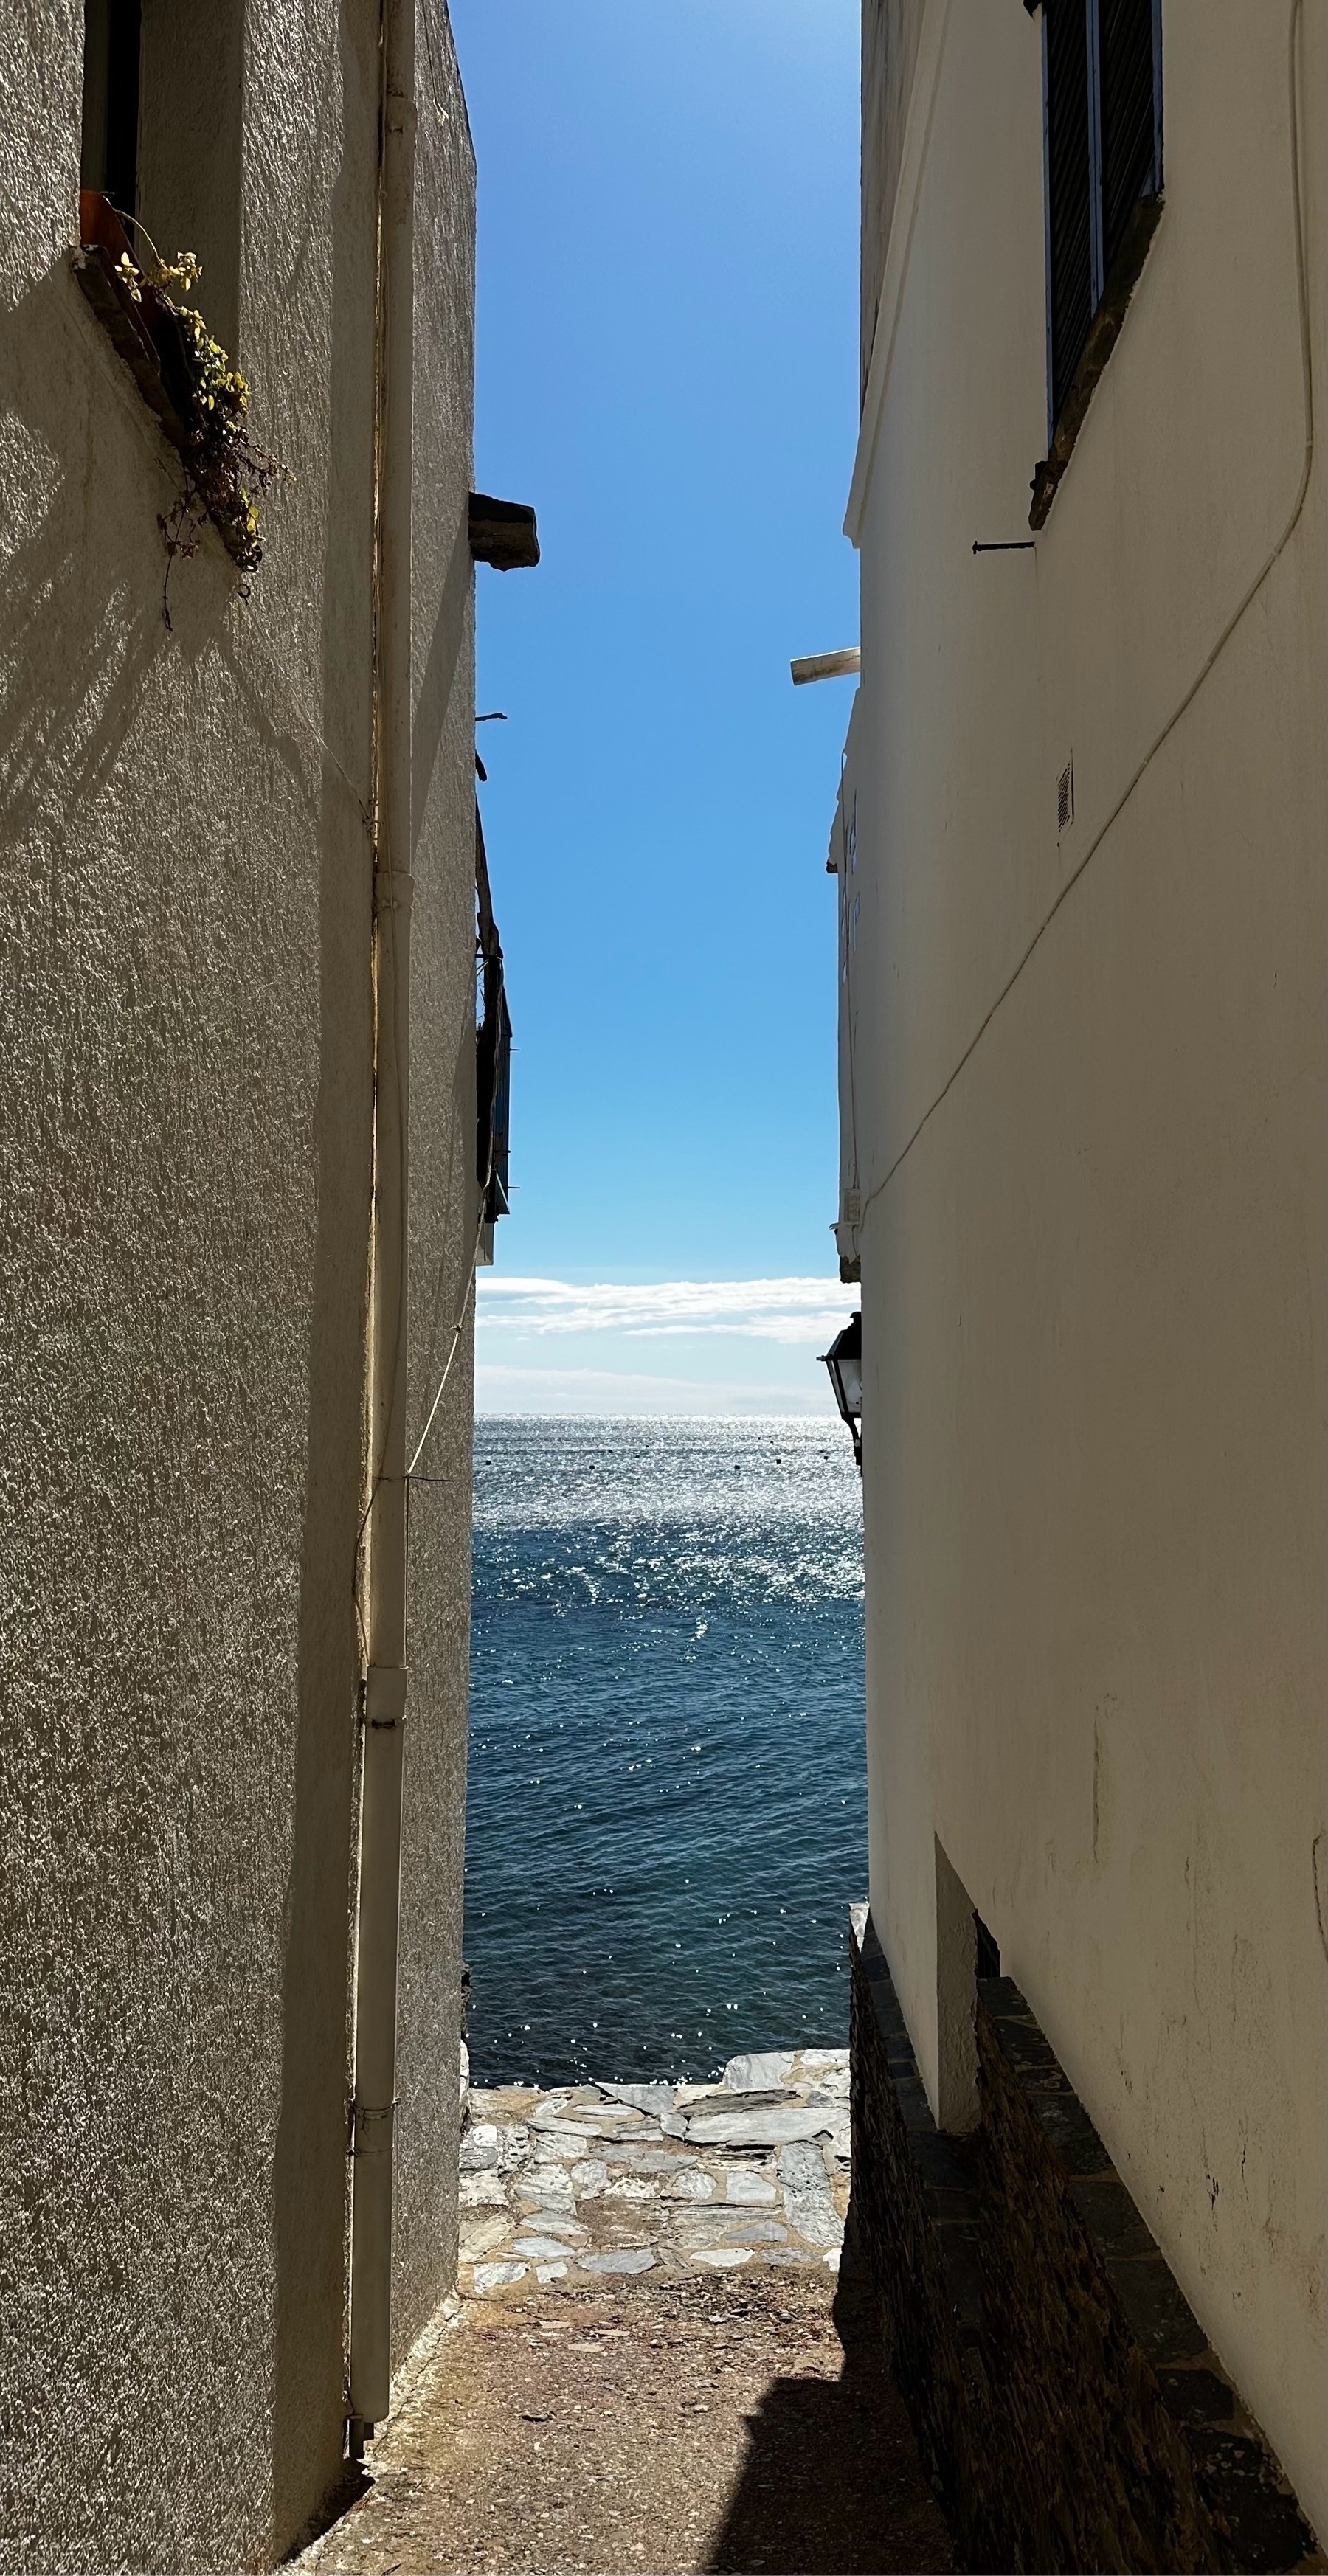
{"x": 385, "y": 1609}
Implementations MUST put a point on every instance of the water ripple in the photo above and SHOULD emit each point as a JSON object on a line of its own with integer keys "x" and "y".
{"x": 665, "y": 1817}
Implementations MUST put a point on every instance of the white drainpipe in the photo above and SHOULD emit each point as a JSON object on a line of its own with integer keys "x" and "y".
{"x": 385, "y": 1606}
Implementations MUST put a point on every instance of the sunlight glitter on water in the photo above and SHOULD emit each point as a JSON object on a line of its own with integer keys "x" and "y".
{"x": 666, "y": 1813}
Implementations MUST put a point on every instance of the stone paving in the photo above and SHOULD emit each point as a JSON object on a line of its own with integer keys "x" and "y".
{"x": 596, "y": 2180}
{"x": 655, "y": 2366}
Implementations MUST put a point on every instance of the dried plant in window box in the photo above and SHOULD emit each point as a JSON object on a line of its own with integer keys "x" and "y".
{"x": 202, "y": 401}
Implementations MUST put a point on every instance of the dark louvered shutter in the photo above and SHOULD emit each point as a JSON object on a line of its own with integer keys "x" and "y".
{"x": 1070, "y": 295}
{"x": 1127, "y": 91}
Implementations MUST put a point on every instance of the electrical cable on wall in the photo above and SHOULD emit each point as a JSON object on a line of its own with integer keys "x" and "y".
{"x": 488, "y": 948}
{"x": 456, "y": 1337}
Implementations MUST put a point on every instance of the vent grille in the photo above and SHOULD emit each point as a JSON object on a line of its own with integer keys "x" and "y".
{"x": 1065, "y": 798}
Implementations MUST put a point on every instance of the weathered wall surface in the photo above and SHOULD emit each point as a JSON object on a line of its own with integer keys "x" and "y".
{"x": 1064, "y": 2396}
{"x": 1092, "y": 1161}
{"x": 444, "y": 1201}
{"x": 185, "y": 1139}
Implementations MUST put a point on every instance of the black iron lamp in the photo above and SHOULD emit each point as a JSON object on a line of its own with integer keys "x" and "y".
{"x": 844, "y": 1361}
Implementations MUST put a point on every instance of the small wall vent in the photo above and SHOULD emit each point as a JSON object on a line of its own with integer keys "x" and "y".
{"x": 1065, "y": 798}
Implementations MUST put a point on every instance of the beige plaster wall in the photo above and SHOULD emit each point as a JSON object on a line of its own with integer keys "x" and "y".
{"x": 444, "y": 1197}
{"x": 185, "y": 1130}
{"x": 1090, "y": 1142}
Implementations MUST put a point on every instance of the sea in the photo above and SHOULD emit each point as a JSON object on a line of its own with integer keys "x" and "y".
{"x": 666, "y": 1816}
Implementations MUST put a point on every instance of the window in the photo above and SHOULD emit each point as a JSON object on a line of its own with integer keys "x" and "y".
{"x": 163, "y": 94}
{"x": 109, "y": 157}
{"x": 1102, "y": 147}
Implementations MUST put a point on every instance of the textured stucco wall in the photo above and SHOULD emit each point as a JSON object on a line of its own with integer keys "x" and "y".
{"x": 444, "y": 1199}
{"x": 185, "y": 1134}
{"x": 1092, "y": 1249}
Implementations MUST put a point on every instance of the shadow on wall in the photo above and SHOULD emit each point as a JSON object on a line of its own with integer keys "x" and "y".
{"x": 73, "y": 571}
{"x": 832, "y": 2484}
{"x": 436, "y": 687}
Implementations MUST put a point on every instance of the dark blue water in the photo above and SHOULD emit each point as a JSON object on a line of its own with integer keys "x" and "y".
{"x": 666, "y": 1817}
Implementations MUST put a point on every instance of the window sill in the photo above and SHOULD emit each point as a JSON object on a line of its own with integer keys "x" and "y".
{"x": 1102, "y": 338}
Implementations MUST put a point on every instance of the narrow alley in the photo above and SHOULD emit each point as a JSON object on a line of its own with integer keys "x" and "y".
{"x": 694, "y": 2425}
{"x": 659, "y": 2359}
{"x": 663, "y": 1290}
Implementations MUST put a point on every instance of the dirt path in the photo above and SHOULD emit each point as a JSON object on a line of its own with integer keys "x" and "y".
{"x": 605, "y": 2430}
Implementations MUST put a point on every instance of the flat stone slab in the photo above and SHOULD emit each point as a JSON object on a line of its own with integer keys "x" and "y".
{"x": 770, "y": 2128}
{"x": 495, "y": 2276}
{"x": 482, "y": 2191}
{"x": 750, "y": 2190}
{"x": 479, "y": 2147}
{"x": 809, "y": 2201}
{"x": 730, "y": 2227}
{"x": 771, "y": 2066}
{"x": 662, "y": 2159}
{"x": 542, "y": 2176}
{"x": 592, "y": 2124}
{"x": 480, "y": 2235}
{"x": 624, "y": 2258}
{"x": 690, "y": 2182}
{"x": 652, "y": 2098}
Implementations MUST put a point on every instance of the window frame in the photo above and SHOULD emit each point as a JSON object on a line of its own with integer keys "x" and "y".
{"x": 1110, "y": 288}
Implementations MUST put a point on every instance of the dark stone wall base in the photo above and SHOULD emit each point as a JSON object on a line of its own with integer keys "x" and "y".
{"x": 1063, "y": 2394}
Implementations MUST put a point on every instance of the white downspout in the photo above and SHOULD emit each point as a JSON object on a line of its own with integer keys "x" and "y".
{"x": 385, "y": 1607}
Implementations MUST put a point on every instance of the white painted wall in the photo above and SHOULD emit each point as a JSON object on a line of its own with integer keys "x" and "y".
{"x": 1091, "y": 1146}
{"x": 185, "y": 1132}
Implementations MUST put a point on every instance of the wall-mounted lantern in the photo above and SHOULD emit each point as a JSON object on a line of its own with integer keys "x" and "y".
{"x": 844, "y": 1361}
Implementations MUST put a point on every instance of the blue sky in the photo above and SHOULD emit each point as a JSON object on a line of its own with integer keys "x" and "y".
{"x": 667, "y": 350}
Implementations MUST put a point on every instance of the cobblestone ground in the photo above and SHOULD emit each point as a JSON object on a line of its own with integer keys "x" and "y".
{"x": 608, "y": 2179}
{"x": 654, "y": 2364}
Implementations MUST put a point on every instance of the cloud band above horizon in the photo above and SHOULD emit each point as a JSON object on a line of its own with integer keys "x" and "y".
{"x": 793, "y": 1311}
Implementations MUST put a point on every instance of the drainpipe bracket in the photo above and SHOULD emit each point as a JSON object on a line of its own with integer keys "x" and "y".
{"x": 372, "y": 2132}
{"x": 394, "y": 890}
{"x": 385, "y": 1696}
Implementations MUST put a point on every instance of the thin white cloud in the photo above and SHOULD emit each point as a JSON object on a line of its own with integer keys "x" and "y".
{"x": 794, "y": 1311}
{"x": 612, "y": 1392}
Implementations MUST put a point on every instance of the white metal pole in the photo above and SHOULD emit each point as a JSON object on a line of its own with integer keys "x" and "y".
{"x": 385, "y": 1687}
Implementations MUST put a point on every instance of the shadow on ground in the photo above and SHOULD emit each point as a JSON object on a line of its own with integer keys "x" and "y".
{"x": 648, "y": 2425}
{"x": 831, "y": 2483}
